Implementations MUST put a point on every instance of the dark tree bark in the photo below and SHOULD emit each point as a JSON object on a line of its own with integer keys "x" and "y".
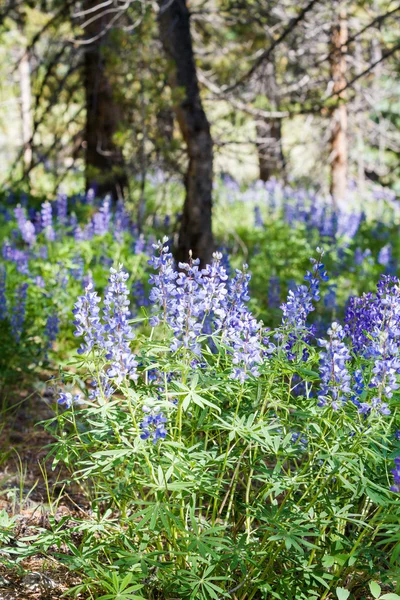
{"x": 269, "y": 132}
{"x": 105, "y": 169}
{"x": 195, "y": 232}
{"x": 269, "y": 148}
{"x": 339, "y": 144}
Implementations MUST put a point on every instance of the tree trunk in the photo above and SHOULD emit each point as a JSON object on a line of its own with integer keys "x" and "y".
{"x": 339, "y": 149}
{"x": 24, "y": 71}
{"x": 195, "y": 232}
{"x": 269, "y": 149}
{"x": 269, "y": 133}
{"x": 105, "y": 169}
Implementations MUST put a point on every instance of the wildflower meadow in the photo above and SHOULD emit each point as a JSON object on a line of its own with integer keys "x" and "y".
{"x": 229, "y": 439}
{"x": 199, "y": 300}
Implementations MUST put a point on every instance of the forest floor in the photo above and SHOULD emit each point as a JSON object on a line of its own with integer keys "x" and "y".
{"x": 32, "y": 491}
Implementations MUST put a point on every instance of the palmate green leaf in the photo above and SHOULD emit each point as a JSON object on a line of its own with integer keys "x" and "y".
{"x": 390, "y": 596}
{"x": 191, "y": 395}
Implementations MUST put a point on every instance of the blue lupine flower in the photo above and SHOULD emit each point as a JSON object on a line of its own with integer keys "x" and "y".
{"x": 258, "y": 220}
{"x": 117, "y": 332}
{"x": 274, "y": 292}
{"x": 153, "y": 424}
{"x": 47, "y": 221}
{"x": 385, "y": 255}
{"x": 3, "y": 297}
{"x": 334, "y": 369}
{"x": 27, "y": 229}
{"x": 18, "y": 311}
{"x": 396, "y": 475}
{"x": 87, "y": 321}
{"x": 62, "y": 208}
{"x": 68, "y": 399}
{"x": 51, "y": 329}
{"x": 101, "y": 220}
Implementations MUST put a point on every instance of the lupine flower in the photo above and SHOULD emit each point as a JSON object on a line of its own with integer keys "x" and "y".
{"x": 51, "y": 329}
{"x": 298, "y": 306}
{"x": 193, "y": 298}
{"x": 330, "y": 297}
{"x": 18, "y": 311}
{"x": 258, "y": 220}
{"x": 68, "y": 399}
{"x": 101, "y": 220}
{"x": 153, "y": 424}
{"x": 47, "y": 221}
{"x": 385, "y": 255}
{"x": 240, "y": 330}
{"x": 62, "y": 208}
{"x": 3, "y": 298}
{"x": 87, "y": 321}
{"x": 102, "y": 388}
{"x": 396, "y": 475}
{"x": 334, "y": 368}
{"x": 19, "y": 257}
{"x": 117, "y": 332}
{"x": 163, "y": 283}
{"x": 274, "y": 292}
{"x": 300, "y": 439}
{"x": 39, "y": 281}
{"x": 27, "y": 229}
{"x": 139, "y": 295}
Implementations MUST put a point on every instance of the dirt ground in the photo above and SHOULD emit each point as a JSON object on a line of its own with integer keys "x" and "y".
{"x": 25, "y": 494}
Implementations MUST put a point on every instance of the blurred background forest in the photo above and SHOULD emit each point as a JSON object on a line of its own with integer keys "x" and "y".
{"x": 114, "y": 94}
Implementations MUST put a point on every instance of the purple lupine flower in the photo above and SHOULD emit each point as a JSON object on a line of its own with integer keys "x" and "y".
{"x": 163, "y": 283}
{"x": 139, "y": 295}
{"x": 121, "y": 219}
{"x": 90, "y": 196}
{"x": 102, "y": 389}
{"x": 333, "y": 368}
{"x": 240, "y": 330}
{"x": 19, "y": 257}
{"x": 373, "y": 325}
{"x": 101, "y": 220}
{"x": 299, "y": 439}
{"x": 118, "y": 334}
{"x": 88, "y": 231}
{"x": 153, "y": 424}
{"x": 87, "y": 321}
{"x": 3, "y": 297}
{"x": 298, "y": 306}
{"x": 39, "y": 281}
{"x": 51, "y": 329}
{"x": 396, "y": 475}
{"x": 274, "y": 292}
{"x": 140, "y": 244}
{"x": 18, "y": 311}
{"x": 27, "y": 229}
{"x": 68, "y": 400}
{"x": 385, "y": 255}
{"x": 47, "y": 221}
{"x": 330, "y": 297}
{"x": 258, "y": 220}
{"x": 62, "y": 208}
{"x": 78, "y": 234}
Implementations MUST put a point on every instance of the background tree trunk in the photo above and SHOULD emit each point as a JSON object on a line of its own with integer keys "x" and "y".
{"x": 195, "y": 232}
{"x": 339, "y": 149}
{"x": 269, "y": 132}
{"x": 24, "y": 72}
{"x": 105, "y": 169}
